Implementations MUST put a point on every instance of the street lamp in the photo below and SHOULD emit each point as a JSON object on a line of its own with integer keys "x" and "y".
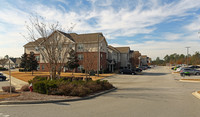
{"x": 187, "y": 54}
{"x": 98, "y": 57}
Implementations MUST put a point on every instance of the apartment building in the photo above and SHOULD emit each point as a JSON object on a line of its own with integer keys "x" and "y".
{"x": 91, "y": 49}
{"x": 125, "y": 56}
{"x": 113, "y": 58}
{"x": 85, "y": 45}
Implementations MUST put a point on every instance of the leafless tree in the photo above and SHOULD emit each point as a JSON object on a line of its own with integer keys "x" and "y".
{"x": 49, "y": 41}
{"x": 88, "y": 64}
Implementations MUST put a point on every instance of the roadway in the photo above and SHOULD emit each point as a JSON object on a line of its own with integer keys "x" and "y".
{"x": 156, "y": 93}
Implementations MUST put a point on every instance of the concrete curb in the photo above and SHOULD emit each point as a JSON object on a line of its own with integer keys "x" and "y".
{"x": 189, "y": 81}
{"x": 196, "y": 94}
{"x": 55, "y": 101}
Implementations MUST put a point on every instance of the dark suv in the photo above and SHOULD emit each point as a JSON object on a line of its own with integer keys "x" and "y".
{"x": 2, "y": 77}
{"x": 127, "y": 71}
{"x": 189, "y": 71}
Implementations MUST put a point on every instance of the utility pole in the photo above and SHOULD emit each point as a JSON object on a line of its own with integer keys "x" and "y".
{"x": 98, "y": 57}
{"x": 187, "y": 55}
{"x": 10, "y": 76}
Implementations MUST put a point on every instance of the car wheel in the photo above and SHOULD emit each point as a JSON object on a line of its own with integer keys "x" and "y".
{"x": 198, "y": 74}
{"x": 133, "y": 73}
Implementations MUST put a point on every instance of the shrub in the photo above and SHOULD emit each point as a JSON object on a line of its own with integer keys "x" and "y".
{"x": 25, "y": 88}
{"x": 80, "y": 91}
{"x": 68, "y": 87}
{"x": 3, "y": 69}
{"x": 7, "y": 89}
{"x": 24, "y": 70}
{"x": 65, "y": 89}
{"x": 40, "y": 87}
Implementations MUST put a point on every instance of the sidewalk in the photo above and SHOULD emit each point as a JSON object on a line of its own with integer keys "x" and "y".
{"x": 16, "y": 82}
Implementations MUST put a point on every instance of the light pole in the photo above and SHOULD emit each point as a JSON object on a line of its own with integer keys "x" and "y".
{"x": 10, "y": 75}
{"x": 187, "y": 54}
{"x": 98, "y": 57}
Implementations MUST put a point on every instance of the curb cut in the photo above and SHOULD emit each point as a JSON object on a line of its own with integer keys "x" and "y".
{"x": 189, "y": 81}
{"x": 196, "y": 94}
{"x": 55, "y": 101}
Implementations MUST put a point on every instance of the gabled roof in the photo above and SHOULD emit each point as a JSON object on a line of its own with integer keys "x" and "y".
{"x": 33, "y": 43}
{"x": 123, "y": 49}
{"x": 88, "y": 38}
{"x": 113, "y": 48}
{"x": 78, "y": 38}
{"x": 3, "y": 61}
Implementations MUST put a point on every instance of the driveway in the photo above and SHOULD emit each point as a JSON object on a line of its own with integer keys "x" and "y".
{"x": 4, "y": 83}
{"x": 156, "y": 93}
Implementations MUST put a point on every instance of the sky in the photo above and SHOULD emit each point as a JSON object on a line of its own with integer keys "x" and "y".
{"x": 153, "y": 27}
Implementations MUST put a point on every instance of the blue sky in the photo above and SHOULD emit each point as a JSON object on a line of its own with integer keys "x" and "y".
{"x": 153, "y": 27}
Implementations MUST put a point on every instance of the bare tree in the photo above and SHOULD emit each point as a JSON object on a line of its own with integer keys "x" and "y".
{"x": 89, "y": 64}
{"x": 50, "y": 42}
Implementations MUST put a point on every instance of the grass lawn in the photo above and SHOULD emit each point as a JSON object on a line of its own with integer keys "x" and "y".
{"x": 191, "y": 79}
{"x": 28, "y": 75}
{"x": 2, "y": 96}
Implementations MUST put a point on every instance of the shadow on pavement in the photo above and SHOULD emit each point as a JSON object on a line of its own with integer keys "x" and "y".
{"x": 61, "y": 103}
{"x": 155, "y": 74}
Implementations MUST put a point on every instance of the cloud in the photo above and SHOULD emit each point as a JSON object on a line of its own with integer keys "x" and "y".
{"x": 115, "y": 18}
{"x": 160, "y": 48}
{"x": 194, "y": 25}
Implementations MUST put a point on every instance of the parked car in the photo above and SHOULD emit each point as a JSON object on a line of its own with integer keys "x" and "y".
{"x": 2, "y": 77}
{"x": 127, "y": 71}
{"x": 189, "y": 71}
{"x": 194, "y": 67}
{"x": 143, "y": 67}
{"x": 137, "y": 70}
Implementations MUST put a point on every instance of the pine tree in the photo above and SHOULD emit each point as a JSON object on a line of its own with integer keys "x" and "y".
{"x": 24, "y": 61}
{"x": 72, "y": 61}
{"x": 32, "y": 62}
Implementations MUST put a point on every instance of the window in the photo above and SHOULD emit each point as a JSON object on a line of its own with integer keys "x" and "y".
{"x": 80, "y": 67}
{"x": 37, "y": 58}
{"x": 80, "y": 56}
{"x": 38, "y": 67}
{"x": 42, "y": 67}
{"x": 70, "y": 46}
{"x": 80, "y": 46}
{"x": 36, "y": 49}
{"x": 101, "y": 55}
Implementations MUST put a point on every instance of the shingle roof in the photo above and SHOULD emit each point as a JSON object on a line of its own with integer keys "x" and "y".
{"x": 33, "y": 43}
{"x": 113, "y": 48}
{"x": 87, "y": 38}
{"x": 123, "y": 49}
{"x": 78, "y": 38}
{"x": 3, "y": 61}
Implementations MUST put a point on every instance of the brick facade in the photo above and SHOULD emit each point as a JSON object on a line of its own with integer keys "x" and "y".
{"x": 89, "y": 61}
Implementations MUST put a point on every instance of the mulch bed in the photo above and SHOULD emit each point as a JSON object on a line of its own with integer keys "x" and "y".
{"x": 26, "y": 96}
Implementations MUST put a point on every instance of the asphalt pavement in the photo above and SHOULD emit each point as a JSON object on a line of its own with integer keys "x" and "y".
{"x": 4, "y": 83}
{"x": 156, "y": 93}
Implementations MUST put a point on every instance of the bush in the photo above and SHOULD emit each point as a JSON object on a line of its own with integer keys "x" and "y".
{"x": 25, "y": 88}
{"x": 92, "y": 73}
{"x": 69, "y": 86}
{"x": 80, "y": 91}
{"x": 7, "y": 89}
{"x": 3, "y": 69}
{"x": 24, "y": 70}
{"x": 83, "y": 71}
